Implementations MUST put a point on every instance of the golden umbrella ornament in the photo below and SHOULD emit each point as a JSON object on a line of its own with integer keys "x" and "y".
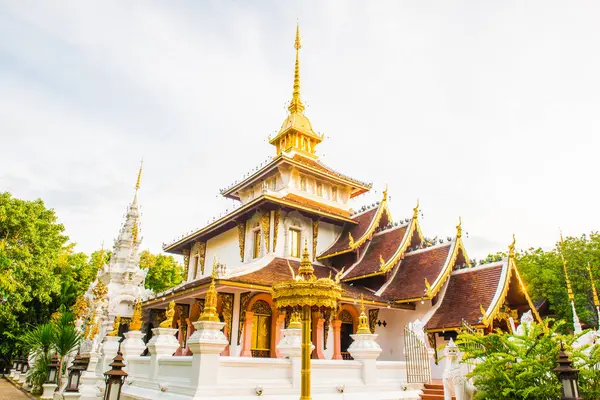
{"x": 305, "y": 292}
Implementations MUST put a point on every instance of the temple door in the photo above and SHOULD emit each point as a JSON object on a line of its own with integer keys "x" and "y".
{"x": 346, "y": 329}
{"x": 261, "y": 329}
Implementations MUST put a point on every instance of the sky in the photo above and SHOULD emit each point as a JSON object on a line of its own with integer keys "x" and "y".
{"x": 486, "y": 110}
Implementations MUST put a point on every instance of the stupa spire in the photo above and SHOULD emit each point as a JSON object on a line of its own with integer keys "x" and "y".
{"x": 296, "y": 106}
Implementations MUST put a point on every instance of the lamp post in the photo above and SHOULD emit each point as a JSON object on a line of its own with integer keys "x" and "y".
{"x": 53, "y": 370}
{"x": 305, "y": 292}
{"x": 79, "y": 365}
{"x": 567, "y": 375}
{"x": 115, "y": 377}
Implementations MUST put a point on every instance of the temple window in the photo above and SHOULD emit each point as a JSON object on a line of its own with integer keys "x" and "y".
{"x": 256, "y": 243}
{"x": 319, "y": 189}
{"x": 261, "y": 329}
{"x": 334, "y": 193}
{"x": 295, "y": 240}
{"x": 303, "y": 184}
{"x": 272, "y": 184}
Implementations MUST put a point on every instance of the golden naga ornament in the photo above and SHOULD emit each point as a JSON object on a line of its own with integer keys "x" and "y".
{"x": 116, "y": 324}
{"x": 99, "y": 291}
{"x": 136, "y": 322}
{"x": 170, "y": 314}
{"x": 81, "y": 307}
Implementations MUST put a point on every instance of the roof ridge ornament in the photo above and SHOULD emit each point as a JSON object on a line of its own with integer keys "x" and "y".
{"x": 511, "y": 248}
{"x": 416, "y": 210}
{"x": 459, "y": 228}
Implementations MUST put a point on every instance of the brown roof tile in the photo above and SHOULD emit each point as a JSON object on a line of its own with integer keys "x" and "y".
{"x": 409, "y": 280}
{"x": 343, "y": 243}
{"x": 466, "y": 290}
{"x": 278, "y": 271}
{"x": 384, "y": 244}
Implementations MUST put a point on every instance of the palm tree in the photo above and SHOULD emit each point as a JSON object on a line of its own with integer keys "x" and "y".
{"x": 40, "y": 339}
{"x": 66, "y": 339}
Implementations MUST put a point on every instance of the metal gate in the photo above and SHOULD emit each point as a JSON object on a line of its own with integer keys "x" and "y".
{"x": 417, "y": 358}
{"x": 469, "y": 348}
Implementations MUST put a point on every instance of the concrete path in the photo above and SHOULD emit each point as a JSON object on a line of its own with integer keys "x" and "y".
{"x": 9, "y": 392}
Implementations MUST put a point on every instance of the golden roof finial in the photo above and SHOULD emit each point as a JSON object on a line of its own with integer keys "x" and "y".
{"x": 594, "y": 292}
{"x": 416, "y": 210}
{"x": 511, "y": 247}
{"x": 385, "y": 193}
{"x": 210, "y": 302}
{"x": 363, "y": 320}
{"x": 306, "y": 270}
{"x": 139, "y": 177}
{"x": 296, "y": 106}
{"x": 459, "y": 228}
{"x": 569, "y": 289}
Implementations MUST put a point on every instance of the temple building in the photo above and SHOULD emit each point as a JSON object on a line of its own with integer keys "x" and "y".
{"x": 297, "y": 207}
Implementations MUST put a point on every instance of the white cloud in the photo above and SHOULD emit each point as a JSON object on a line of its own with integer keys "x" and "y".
{"x": 484, "y": 110}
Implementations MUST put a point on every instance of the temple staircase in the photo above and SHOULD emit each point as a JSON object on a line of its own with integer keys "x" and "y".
{"x": 433, "y": 391}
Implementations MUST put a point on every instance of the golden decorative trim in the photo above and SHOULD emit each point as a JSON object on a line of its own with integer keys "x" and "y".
{"x": 242, "y": 238}
{"x": 350, "y": 240}
{"x": 244, "y": 301}
{"x": 524, "y": 289}
{"x": 186, "y": 263}
{"x": 594, "y": 292}
{"x": 315, "y": 234}
{"x": 265, "y": 224}
{"x": 489, "y": 316}
{"x": 201, "y": 257}
{"x": 227, "y": 312}
{"x": 276, "y": 217}
{"x": 414, "y": 226}
{"x": 373, "y": 317}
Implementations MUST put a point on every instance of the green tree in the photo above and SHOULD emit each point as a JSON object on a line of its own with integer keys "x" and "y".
{"x": 164, "y": 271}
{"x": 31, "y": 242}
{"x": 545, "y": 278}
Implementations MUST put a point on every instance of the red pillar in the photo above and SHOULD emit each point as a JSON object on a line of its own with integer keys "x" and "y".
{"x": 336, "y": 324}
{"x": 247, "y": 342}
{"x": 320, "y": 336}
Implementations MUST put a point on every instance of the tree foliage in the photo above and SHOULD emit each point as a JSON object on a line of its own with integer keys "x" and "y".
{"x": 544, "y": 275}
{"x": 164, "y": 271}
{"x": 513, "y": 366}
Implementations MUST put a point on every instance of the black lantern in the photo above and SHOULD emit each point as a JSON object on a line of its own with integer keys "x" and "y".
{"x": 115, "y": 377}
{"x": 79, "y": 365}
{"x": 567, "y": 376}
{"x": 53, "y": 370}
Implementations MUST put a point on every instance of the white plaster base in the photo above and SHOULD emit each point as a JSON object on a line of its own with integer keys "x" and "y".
{"x": 163, "y": 342}
{"x": 48, "y": 390}
{"x": 133, "y": 345}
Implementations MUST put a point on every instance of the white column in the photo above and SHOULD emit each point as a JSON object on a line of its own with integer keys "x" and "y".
{"x": 290, "y": 346}
{"x": 133, "y": 345}
{"x": 207, "y": 342}
{"x": 234, "y": 349}
{"x": 48, "y": 391}
{"x": 162, "y": 344}
{"x": 88, "y": 386}
{"x": 365, "y": 349}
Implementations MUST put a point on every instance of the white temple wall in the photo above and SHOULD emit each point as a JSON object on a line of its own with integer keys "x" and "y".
{"x": 234, "y": 349}
{"x": 391, "y": 337}
{"x": 226, "y": 247}
{"x": 328, "y": 352}
{"x": 328, "y": 233}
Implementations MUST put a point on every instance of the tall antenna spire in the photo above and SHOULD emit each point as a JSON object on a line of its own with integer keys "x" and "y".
{"x": 594, "y": 293}
{"x": 296, "y": 106}
{"x": 576, "y": 324}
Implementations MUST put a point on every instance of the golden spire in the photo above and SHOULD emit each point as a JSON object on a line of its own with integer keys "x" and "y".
{"x": 139, "y": 177}
{"x": 296, "y": 106}
{"x": 210, "y": 302}
{"x": 594, "y": 292}
{"x": 363, "y": 320}
{"x": 569, "y": 289}
{"x": 306, "y": 270}
{"x": 459, "y": 228}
